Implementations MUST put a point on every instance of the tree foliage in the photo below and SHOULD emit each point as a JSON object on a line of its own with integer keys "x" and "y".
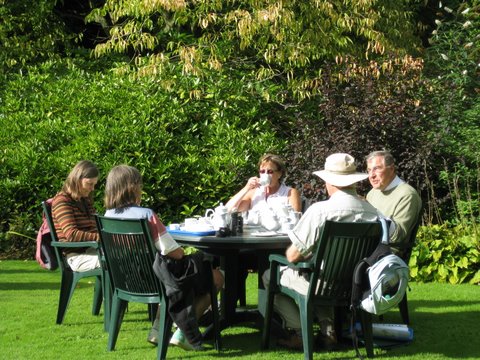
{"x": 366, "y": 113}
{"x": 284, "y": 40}
{"x": 30, "y": 32}
{"x": 454, "y": 71}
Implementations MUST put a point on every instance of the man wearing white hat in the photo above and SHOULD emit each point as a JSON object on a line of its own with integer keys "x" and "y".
{"x": 344, "y": 204}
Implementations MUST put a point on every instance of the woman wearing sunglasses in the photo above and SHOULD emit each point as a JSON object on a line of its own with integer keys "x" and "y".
{"x": 267, "y": 191}
{"x": 265, "y": 194}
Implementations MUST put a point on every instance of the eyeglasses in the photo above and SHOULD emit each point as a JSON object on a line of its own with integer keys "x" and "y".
{"x": 268, "y": 171}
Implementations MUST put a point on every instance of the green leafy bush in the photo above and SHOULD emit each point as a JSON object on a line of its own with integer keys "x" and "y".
{"x": 445, "y": 254}
{"x": 16, "y": 244}
{"x": 193, "y": 151}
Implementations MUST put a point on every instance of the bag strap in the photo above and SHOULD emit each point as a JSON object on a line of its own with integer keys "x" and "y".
{"x": 357, "y": 291}
{"x": 385, "y": 231}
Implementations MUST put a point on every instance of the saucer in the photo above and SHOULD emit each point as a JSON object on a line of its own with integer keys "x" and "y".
{"x": 264, "y": 233}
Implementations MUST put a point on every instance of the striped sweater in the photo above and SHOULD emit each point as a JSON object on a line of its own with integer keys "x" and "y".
{"x": 74, "y": 220}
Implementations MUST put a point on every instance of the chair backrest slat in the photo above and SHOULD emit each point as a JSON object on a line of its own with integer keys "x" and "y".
{"x": 341, "y": 246}
{"x": 130, "y": 254}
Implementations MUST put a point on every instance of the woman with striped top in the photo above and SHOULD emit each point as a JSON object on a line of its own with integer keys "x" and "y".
{"x": 73, "y": 215}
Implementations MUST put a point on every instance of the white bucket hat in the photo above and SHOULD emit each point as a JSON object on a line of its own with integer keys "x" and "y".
{"x": 340, "y": 170}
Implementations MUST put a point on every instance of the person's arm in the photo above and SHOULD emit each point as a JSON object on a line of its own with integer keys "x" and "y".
{"x": 176, "y": 254}
{"x": 293, "y": 255}
{"x": 74, "y": 225}
{"x": 243, "y": 199}
{"x": 405, "y": 217}
{"x": 294, "y": 199}
{"x": 163, "y": 240}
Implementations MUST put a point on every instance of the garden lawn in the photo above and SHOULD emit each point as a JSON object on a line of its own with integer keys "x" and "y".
{"x": 445, "y": 319}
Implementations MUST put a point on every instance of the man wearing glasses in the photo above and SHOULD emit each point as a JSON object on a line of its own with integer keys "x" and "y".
{"x": 393, "y": 197}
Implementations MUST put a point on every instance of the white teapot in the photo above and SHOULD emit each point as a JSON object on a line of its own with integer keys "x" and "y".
{"x": 269, "y": 220}
{"x": 219, "y": 217}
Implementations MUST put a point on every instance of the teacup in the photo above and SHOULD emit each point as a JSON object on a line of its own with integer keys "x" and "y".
{"x": 286, "y": 227}
{"x": 174, "y": 226}
{"x": 265, "y": 179}
{"x": 205, "y": 221}
{"x": 191, "y": 224}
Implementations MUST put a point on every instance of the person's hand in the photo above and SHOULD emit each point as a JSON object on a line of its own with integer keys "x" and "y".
{"x": 253, "y": 183}
{"x": 218, "y": 278}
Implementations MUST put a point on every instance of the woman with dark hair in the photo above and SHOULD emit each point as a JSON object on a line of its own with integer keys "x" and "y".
{"x": 73, "y": 215}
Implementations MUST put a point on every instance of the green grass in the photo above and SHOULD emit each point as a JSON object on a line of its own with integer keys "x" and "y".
{"x": 445, "y": 319}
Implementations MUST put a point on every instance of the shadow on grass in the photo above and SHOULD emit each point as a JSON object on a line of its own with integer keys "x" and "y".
{"x": 248, "y": 344}
{"x": 447, "y": 333}
{"x": 437, "y": 331}
{"x": 40, "y": 286}
{"x": 26, "y": 271}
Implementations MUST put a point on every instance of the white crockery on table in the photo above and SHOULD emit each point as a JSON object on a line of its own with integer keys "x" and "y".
{"x": 219, "y": 217}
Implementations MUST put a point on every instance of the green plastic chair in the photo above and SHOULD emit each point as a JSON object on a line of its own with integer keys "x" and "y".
{"x": 129, "y": 253}
{"x": 71, "y": 278}
{"x": 341, "y": 246}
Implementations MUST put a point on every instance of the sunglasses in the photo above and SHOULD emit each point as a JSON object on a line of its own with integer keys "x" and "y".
{"x": 269, "y": 171}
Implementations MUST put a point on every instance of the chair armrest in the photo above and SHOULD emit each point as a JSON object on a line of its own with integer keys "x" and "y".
{"x": 280, "y": 259}
{"x": 79, "y": 244}
{"x": 275, "y": 262}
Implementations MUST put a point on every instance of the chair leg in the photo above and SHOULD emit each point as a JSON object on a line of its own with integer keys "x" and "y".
{"x": 366, "y": 321}
{"x": 152, "y": 312}
{"x": 268, "y": 319}
{"x": 216, "y": 318}
{"x": 306, "y": 321}
{"x": 164, "y": 331}
{"x": 116, "y": 318}
{"x": 67, "y": 287}
{"x": 107, "y": 300}
{"x": 97, "y": 296}
{"x": 403, "y": 307}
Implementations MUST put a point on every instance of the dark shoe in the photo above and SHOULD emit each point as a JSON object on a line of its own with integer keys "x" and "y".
{"x": 277, "y": 329}
{"x": 326, "y": 342}
{"x": 293, "y": 342}
{"x": 206, "y": 319}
